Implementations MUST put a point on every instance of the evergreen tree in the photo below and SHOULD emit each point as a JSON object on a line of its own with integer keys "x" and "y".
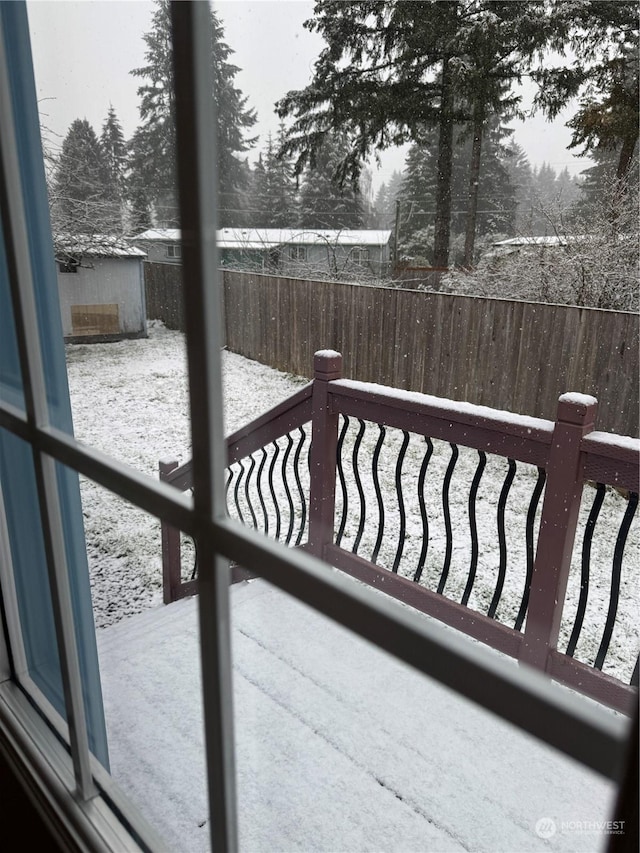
{"x": 324, "y": 202}
{"x": 603, "y": 75}
{"x": 417, "y": 201}
{"x": 521, "y": 179}
{"x": 495, "y": 194}
{"x": 153, "y": 157}
{"x": 81, "y": 203}
{"x": 260, "y": 197}
{"x": 380, "y": 207}
{"x": 114, "y": 149}
{"x": 567, "y": 188}
{"x": 596, "y": 181}
{"x": 385, "y": 201}
{"x": 280, "y": 191}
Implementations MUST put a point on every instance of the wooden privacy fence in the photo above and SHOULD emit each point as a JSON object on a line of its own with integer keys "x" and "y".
{"x": 297, "y": 500}
{"x": 163, "y": 292}
{"x": 518, "y": 356}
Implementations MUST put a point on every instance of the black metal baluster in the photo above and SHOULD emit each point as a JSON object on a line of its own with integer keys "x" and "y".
{"x": 265, "y": 514}
{"x": 194, "y": 571}
{"x": 531, "y": 517}
{"x": 247, "y": 483}
{"x": 237, "y": 490}
{"x": 358, "y": 480}
{"x": 378, "y": 491}
{"x": 287, "y": 490}
{"x": 473, "y": 526}
{"x": 343, "y": 485}
{"x": 423, "y": 510}
{"x": 586, "y": 561}
{"x": 273, "y": 491}
{"x": 615, "y": 578}
{"x": 502, "y": 539}
{"x": 296, "y": 471}
{"x": 447, "y": 518}
{"x": 226, "y": 486}
{"x": 401, "y": 509}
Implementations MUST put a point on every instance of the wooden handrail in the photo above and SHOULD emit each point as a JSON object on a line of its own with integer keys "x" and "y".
{"x": 570, "y": 450}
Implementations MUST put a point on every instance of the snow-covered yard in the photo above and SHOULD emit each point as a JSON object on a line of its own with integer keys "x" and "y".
{"x": 130, "y": 400}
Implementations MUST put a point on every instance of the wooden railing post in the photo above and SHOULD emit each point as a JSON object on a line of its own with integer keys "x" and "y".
{"x": 327, "y": 365}
{"x": 575, "y": 418}
{"x": 171, "y": 579}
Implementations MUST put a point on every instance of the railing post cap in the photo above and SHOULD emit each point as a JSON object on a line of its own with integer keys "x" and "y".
{"x": 327, "y": 364}
{"x": 165, "y": 466}
{"x": 577, "y": 408}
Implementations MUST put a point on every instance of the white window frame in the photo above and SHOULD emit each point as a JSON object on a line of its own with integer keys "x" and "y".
{"x": 298, "y": 254}
{"x": 360, "y": 255}
{"x": 174, "y": 250}
{"x": 72, "y": 791}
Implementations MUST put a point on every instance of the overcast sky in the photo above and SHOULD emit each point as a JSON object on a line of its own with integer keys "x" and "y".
{"x": 84, "y": 50}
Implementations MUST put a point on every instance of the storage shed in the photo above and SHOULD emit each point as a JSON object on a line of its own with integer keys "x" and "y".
{"x": 101, "y": 288}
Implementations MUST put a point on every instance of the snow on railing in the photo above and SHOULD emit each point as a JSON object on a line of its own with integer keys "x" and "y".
{"x": 472, "y": 515}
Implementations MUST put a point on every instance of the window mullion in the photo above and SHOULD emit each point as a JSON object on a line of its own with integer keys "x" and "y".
{"x": 196, "y": 146}
{"x": 27, "y": 331}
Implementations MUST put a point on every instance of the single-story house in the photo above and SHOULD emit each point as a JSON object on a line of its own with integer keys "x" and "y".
{"x": 101, "y": 288}
{"x": 161, "y": 245}
{"x": 285, "y": 251}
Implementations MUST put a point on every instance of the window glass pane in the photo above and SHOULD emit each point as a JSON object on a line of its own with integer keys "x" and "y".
{"x": 341, "y": 747}
{"x": 28, "y": 578}
{"x": 114, "y": 217}
{"x": 17, "y": 477}
{"x": 150, "y": 670}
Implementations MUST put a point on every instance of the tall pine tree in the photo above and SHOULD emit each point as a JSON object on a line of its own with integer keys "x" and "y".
{"x": 153, "y": 150}
{"x": 114, "y": 149}
{"x": 274, "y": 203}
{"x": 496, "y": 200}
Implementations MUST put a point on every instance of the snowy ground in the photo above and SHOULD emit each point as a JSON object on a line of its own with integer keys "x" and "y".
{"x": 130, "y": 400}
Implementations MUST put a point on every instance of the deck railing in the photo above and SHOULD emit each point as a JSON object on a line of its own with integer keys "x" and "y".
{"x": 357, "y": 474}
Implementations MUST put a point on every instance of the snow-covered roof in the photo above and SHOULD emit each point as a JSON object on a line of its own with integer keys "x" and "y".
{"x": 96, "y": 245}
{"x": 260, "y": 238}
{"x": 556, "y": 240}
{"x": 159, "y": 234}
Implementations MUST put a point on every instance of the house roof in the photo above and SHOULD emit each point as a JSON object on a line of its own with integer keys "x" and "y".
{"x": 556, "y": 240}
{"x": 261, "y": 238}
{"x": 158, "y": 235}
{"x": 96, "y": 245}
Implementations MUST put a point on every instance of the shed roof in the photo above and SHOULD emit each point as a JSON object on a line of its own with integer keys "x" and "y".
{"x": 97, "y": 246}
{"x": 261, "y": 238}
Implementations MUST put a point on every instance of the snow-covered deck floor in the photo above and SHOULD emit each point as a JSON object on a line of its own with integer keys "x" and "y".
{"x": 339, "y": 747}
